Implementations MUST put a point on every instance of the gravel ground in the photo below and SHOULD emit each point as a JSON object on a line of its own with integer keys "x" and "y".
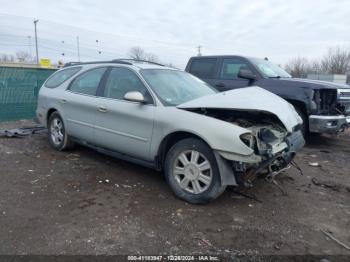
{"x": 83, "y": 202}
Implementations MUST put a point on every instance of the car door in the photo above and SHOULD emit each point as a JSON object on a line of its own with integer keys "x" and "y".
{"x": 205, "y": 68}
{"x": 120, "y": 125}
{"x": 227, "y": 77}
{"x": 79, "y": 104}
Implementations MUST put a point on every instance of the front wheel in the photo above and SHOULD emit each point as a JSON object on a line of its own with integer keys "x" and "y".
{"x": 192, "y": 172}
{"x": 305, "y": 125}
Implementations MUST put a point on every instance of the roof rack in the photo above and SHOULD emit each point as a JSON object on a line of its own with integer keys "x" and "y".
{"x": 138, "y": 60}
{"x": 116, "y": 61}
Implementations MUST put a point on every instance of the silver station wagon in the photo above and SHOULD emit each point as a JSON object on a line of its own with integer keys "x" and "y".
{"x": 169, "y": 120}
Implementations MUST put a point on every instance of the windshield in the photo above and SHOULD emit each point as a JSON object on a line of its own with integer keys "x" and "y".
{"x": 175, "y": 87}
{"x": 269, "y": 69}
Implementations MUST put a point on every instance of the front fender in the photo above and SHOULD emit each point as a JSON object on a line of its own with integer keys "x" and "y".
{"x": 218, "y": 134}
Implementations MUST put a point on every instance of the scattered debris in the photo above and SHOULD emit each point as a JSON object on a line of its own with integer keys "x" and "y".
{"x": 22, "y": 131}
{"x": 247, "y": 196}
{"x": 335, "y": 239}
{"x": 325, "y": 151}
{"x": 284, "y": 192}
{"x": 278, "y": 245}
{"x": 314, "y": 164}
{"x": 326, "y": 184}
{"x": 295, "y": 165}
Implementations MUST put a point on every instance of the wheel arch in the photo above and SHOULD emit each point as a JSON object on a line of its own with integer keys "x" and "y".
{"x": 170, "y": 140}
{"x": 49, "y": 113}
{"x": 299, "y": 104}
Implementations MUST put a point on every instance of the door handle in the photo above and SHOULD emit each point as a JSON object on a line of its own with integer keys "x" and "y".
{"x": 63, "y": 101}
{"x": 220, "y": 85}
{"x": 102, "y": 109}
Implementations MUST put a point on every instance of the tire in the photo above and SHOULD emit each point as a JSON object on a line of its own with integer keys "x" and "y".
{"x": 57, "y": 134}
{"x": 196, "y": 181}
{"x": 305, "y": 125}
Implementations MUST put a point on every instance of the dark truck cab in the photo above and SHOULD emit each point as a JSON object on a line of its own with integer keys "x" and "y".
{"x": 324, "y": 106}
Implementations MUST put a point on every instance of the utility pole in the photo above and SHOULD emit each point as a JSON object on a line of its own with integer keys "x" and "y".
{"x": 36, "y": 42}
{"x": 78, "y": 48}
{"x": 199, "y": 50}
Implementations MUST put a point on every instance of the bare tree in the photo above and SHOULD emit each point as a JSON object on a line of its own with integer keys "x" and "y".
{"x": 138, "y": 53}
{"x": 336, "y": 61}
{"x": 7, "y": 58}
{"x": 315, "y": 67}
{"x": 298, "y": 67}
{"x": 23, "y": 56}
{"x": 151, "y": 57}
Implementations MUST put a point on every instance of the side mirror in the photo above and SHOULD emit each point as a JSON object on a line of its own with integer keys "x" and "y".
{"x": 247, "y": 74}
{"x": 134, "y": 96}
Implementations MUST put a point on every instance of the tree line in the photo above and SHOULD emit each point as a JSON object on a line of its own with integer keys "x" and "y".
{"x": 335, "y": 61}
{"x": 136, "y": 53}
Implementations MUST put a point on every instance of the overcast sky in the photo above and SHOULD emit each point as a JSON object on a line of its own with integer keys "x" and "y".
{"x": 172, "y": 29}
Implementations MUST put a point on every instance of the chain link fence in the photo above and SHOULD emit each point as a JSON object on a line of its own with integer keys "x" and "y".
{"x": 19, "y": 87}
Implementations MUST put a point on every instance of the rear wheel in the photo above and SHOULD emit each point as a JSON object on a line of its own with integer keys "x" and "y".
{"x": 192, "y": 173}
{"x": 58, "y": 136}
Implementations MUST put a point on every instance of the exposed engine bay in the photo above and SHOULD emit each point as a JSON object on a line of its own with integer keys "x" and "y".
{"x": 268, "y": 139}
{"x": 267, "y": 132}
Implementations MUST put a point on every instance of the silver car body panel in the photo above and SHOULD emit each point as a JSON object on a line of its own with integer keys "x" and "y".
{"x": 250, "y": 98}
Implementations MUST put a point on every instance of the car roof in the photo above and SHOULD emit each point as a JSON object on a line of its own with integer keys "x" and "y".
{"x": 223, "y": 56}
{"x": 136, "y": 64}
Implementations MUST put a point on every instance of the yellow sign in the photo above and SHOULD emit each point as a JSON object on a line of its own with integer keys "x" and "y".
{"x": 45, "y": 62}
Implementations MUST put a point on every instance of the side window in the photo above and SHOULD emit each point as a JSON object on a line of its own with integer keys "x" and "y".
{"x": 231, "y": 67}
{"x": 122, "y": 80}
{"x": 58, "y": 78}
{"x": 203, "y": 67}
{"x": 87, "y": 83}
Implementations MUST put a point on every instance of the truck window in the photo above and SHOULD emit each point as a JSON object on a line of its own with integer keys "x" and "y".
{"x": 231, "y": 67}
{"x": 203, "y": 67}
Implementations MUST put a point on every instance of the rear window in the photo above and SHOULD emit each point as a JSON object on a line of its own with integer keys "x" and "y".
{"x": 203, "y": 67}
{"x": 58, "y": 78}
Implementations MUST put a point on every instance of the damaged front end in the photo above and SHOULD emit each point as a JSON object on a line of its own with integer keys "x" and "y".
{"x": 273, "y": 147}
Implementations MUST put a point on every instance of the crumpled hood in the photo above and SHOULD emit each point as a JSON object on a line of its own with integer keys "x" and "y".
{"x": 251, "y": 99}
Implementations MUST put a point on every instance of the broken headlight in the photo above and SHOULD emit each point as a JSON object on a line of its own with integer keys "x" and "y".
{"x": 248, "y": 139}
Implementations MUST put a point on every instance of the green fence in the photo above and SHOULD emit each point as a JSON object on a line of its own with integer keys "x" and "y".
{"x": 19, "y": 87}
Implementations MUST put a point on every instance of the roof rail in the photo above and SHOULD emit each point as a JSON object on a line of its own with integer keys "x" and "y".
{"x": 138, "y": 60}
{"x": 116, "y": 61}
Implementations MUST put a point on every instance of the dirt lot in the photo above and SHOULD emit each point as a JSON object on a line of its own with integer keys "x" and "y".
{"x": 82, "y": 202}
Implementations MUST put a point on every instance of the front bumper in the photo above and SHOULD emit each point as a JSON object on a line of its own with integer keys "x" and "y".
{"x": 328, "y": 124}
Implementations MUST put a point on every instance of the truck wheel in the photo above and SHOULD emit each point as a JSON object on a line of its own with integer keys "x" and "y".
{"x": 192, "y": 172}
{"x": 305, "y": 125}
{"x": 58, "y": 136}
